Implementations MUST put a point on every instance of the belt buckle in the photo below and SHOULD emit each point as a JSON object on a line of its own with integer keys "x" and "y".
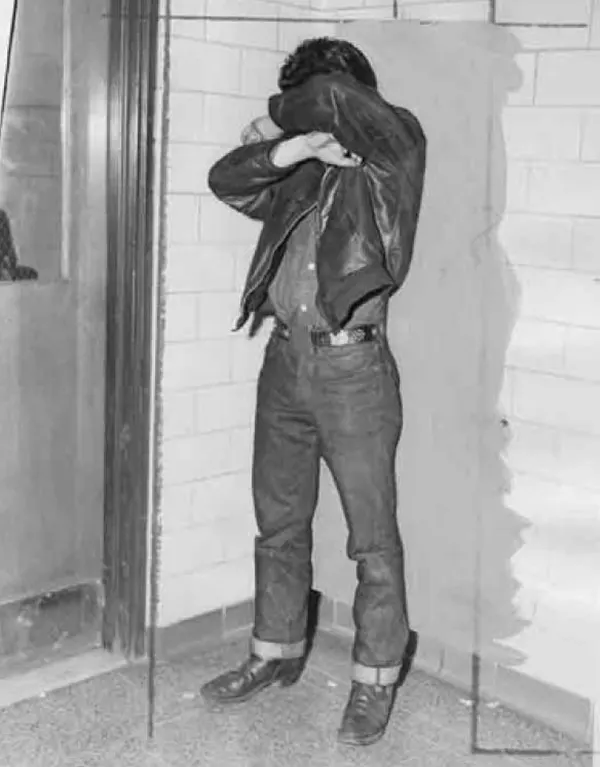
{"x": 341, "y": 338}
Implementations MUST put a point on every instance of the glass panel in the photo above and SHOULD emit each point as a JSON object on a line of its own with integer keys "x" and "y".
{"x": 31, "y": 144}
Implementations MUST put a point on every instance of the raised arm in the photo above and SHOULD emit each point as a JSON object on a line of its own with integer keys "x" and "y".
{"x": 246, "y": 178}
{"x": 389, "y": 139}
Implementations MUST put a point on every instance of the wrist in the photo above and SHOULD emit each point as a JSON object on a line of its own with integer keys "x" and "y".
{"x": 291, "y": 152}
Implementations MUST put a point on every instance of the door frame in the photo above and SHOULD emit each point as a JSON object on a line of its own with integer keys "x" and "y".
{"x": 132, "y": 322}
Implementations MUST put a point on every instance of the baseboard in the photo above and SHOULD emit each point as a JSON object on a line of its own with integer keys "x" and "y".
{"x": 203, "y": 631}
{"x": 42, "y": 625}
{"x": 560, "y": 709}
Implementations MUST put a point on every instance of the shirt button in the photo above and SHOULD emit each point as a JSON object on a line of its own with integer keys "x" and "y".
{"x": 311, "y": 267}
{"x": 303, "y": 307}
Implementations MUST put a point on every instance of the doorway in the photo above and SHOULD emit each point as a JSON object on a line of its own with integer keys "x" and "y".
{"x": 76, "y": 161}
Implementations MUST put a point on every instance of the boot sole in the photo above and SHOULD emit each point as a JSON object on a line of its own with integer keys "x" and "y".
{"x": 348, "y": 740}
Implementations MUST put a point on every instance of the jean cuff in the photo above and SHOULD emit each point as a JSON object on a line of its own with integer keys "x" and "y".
{"x": 277, "y": 651}
{"x": 379, "y": 675}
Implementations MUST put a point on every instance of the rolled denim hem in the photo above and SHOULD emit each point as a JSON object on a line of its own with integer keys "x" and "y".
{"x": 375, "y": 674}
{"x": 276, "y": 651}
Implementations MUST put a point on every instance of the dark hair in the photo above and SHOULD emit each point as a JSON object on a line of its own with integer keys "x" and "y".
{"x": 324, "y": 56}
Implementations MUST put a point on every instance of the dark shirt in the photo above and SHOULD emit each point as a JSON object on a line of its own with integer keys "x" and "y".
{"x": 293, "y": 290}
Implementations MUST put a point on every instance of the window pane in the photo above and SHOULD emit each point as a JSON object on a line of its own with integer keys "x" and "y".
{"x": 31, "y": 140}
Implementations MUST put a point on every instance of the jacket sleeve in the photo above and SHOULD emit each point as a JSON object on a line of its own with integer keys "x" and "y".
{"x": 246, "y": 178}
{"x": 390, "y": 140}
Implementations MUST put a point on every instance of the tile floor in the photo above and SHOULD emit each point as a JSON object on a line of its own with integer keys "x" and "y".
{"x": 102, "y": 723}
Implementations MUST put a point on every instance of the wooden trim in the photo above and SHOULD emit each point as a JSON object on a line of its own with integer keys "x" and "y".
{"x": 130, "y": 319}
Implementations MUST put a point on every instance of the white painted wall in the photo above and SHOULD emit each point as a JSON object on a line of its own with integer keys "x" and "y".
{"x": 551, "y": 234}
{"x": 221, "y": 76}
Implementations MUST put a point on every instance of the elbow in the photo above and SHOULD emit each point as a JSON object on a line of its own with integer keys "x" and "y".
{"x": 216, "y": 181}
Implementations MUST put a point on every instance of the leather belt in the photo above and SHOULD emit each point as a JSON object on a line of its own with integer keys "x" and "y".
{"x": 358, "y": 335}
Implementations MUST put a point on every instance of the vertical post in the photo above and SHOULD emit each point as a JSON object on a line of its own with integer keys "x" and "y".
{"x": 131, "y": 318}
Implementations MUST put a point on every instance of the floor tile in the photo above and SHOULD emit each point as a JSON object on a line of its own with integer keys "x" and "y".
{"x": 103, "y": 723}
{"x": 26, "y": 738}
{"x": 177, "y": 683}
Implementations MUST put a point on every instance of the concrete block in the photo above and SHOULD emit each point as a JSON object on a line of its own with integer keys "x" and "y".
{"x": 186, "y": 551}
{"x": 183, "y": 219}
{"x": 533, "y": 449}
{"x": 186, "y": 596}
{"x": 448, "y": 10}
{"x": 242, "y": 447}
{"x": 582, "y": 354}
{"x": 547, "y": 503}
{"x": 568, "y": 78}
{"x": 217, "y": 313}
{"x": 565, "y": 189}
{"x": 226, "y": 496}
{"x": 224, "y": 407}
{"x": 551, "y": 38}
{"x": 181, "y": 317}
{"x": 524, "y": 94}
{"x": 517, "y": 177}
{"x": 259, "y": 73}
{"x": 189, "y": 165}
{"x": 557, "y": 402}
{"x": 178, "y": 414}
{"x": 537, "y": 240}
{"x": 590, "y": 145}
{"x": 243, "y": 260}
{"x": 543, "y": 11}
{"x": 537, "y": 345}
{"x": 226, "y": 116}
{"x": 175, "y": 507}
{"x": 289, "y": 35}
{"x": 545, "y": 134}
{"x": 594, "y": 39}
{"x": 188, "y": 459}
{"x": 578, "y": 460}
{"x": 204, "y": 67}
{"x": 220, "y": 224}
{"x": 200, "y": 268}
{"x": 191, "y": 365}
{"x": 186, "y": 115}
{"x": 368, "y": 13}
{"x": 261, "y": 34}
{"x": 558, "y": 296}
{"x": 332, "y": 5}
{"x": 192, "y": 29}
{"x": 586, "y": 245}
{"x": 238, "y": 534}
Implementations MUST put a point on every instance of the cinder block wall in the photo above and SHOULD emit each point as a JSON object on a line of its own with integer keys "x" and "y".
{"x": 221, "y": 76}
{"x": 551, "y": 397}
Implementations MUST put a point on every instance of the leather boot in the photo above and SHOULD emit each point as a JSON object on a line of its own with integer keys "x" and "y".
{"x": 367, "y": 713}
{"x": 254, "y": 675}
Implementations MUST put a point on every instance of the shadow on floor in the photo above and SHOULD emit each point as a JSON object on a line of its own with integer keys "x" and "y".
{"x": 102, "y": 722}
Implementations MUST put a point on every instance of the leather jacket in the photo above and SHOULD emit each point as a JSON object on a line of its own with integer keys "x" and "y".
{"x": 368, "y": 215}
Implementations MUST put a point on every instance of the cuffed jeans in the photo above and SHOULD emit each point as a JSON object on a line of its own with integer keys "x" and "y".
{"x": 341, "y": 404}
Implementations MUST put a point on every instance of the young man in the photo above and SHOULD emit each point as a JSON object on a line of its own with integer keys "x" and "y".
{"x": 336, "y": 175}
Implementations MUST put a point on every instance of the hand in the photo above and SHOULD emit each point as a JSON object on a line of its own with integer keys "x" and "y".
{"x": 313, "y": 146}
{"x": 260, "y": 129}
{"x": 324, "y": 147}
